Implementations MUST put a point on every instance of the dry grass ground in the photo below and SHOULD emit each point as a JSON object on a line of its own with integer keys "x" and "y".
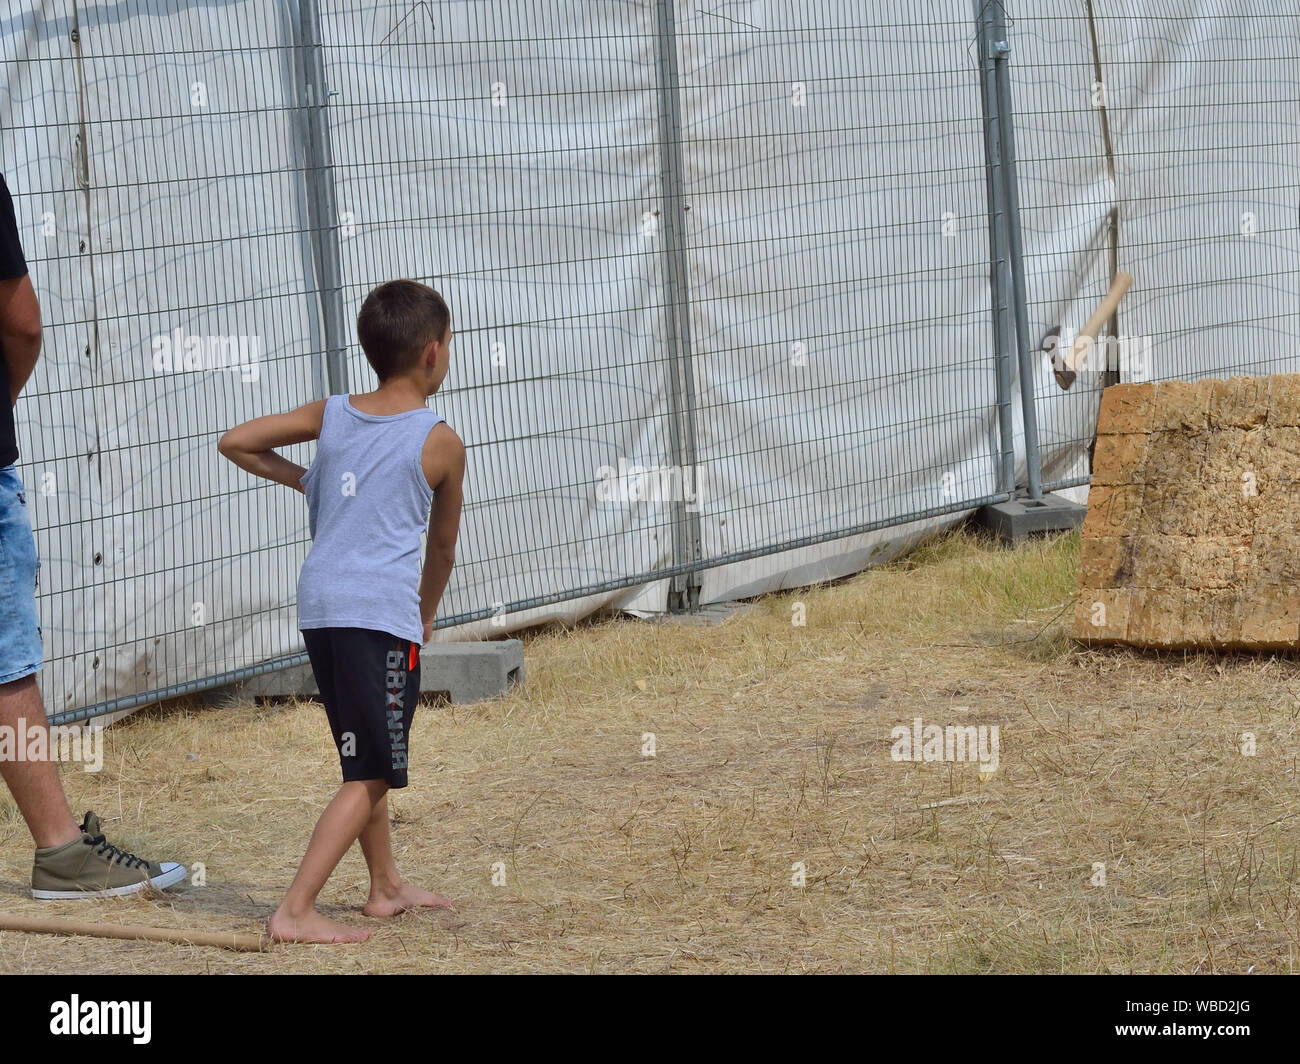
{"x": 773, "y": 747}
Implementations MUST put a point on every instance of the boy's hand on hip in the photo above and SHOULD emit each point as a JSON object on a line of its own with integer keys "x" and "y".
{"x": 428, "y": 632}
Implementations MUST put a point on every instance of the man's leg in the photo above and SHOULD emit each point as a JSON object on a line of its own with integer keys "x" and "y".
{"x": 72, "y": 861}
{"x": 35, "y": 785}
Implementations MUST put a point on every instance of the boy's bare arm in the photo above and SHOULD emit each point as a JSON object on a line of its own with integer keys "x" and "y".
{"x": 444, "y": 467}
{"x": 252, "y": 445}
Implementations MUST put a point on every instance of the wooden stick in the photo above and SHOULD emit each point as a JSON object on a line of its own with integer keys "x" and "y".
{"x": 1088, "y": 334}
{"x": 224, "y": 939}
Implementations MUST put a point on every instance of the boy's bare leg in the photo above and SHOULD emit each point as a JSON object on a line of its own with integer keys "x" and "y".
{"x": 388, "y": 894}
{"x": 35, "y": 785}
{"x": 296, "y": 920}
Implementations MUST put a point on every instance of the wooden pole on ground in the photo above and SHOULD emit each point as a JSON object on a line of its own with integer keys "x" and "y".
{"x": 223, "y": 939}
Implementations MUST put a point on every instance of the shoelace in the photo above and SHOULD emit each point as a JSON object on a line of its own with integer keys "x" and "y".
{"x": 114, "y": 855}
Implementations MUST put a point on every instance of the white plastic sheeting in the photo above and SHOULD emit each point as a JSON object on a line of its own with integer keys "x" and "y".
{"x": 839, "y": 278}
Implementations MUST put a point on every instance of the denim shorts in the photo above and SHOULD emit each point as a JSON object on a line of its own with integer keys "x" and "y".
{"x": 20, "y": 632}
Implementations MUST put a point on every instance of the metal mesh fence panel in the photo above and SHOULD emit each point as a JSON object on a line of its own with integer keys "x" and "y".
{"x": 1161, "y": 137}
{"x": 838, "y": 255}
{"x": 156, "y": 161}
{"x": 508, "y": 156}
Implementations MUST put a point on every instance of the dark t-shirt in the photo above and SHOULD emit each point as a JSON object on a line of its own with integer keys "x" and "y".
{"x": 12, "y": 264}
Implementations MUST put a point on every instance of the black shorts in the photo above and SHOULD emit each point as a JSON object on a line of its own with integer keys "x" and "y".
{"x": 369, "y": 682}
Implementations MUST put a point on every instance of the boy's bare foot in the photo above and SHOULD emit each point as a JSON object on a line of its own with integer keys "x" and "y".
{"x": 391, "y": 901}
{"x": 312, "y": 927}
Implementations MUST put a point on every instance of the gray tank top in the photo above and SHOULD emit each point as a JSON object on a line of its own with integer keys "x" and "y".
{"x": 368, "y": 502}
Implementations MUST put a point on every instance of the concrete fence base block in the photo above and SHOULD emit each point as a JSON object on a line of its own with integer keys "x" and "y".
{"x": 1017, "y": 518}
{"x": 471, "y": 672}
{"x": 464, "y": 672}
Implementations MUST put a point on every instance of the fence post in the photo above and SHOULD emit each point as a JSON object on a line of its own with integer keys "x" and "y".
{"x": 322, "y": 208}
{"x": 685, "y": 587}
{"x": 994, "y": 49}
{"x": 1002, "y": 327}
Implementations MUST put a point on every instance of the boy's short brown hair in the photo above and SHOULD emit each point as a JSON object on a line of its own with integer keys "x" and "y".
{"x": 398, "y": 320}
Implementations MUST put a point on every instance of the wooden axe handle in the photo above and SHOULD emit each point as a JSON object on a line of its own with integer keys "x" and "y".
{"x": 45, "y": 926}
{"x": 1088, "y": 334}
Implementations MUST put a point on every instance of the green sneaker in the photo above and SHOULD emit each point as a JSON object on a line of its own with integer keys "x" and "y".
{"x": 91, "y": 867}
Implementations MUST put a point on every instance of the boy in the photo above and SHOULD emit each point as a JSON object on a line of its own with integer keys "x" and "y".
{"x": 383, "y": 460}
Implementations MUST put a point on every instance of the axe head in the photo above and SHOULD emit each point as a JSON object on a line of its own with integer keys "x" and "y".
{"x": 1051, "y": 347}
